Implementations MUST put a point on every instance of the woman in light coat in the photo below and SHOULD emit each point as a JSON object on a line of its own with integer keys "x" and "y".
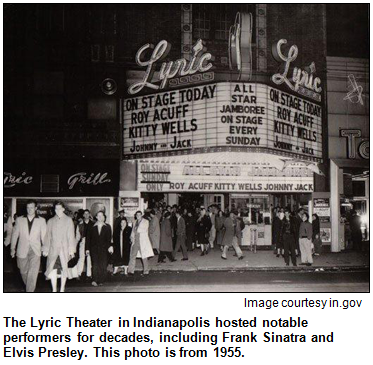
{"x": 141, "y": 245}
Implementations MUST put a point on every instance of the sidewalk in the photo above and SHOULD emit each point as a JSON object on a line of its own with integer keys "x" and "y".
{"x": 261, "y": 260}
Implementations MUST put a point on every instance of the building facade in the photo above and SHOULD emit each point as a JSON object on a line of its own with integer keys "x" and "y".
{"x": 348, "y": 139}
{"x": 226, "y": 122}
{"x": 248, "y": 106}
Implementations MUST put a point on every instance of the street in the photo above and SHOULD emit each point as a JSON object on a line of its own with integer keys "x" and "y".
{"x": 218, "y": 281}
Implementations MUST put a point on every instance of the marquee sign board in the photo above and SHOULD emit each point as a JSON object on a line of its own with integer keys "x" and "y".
{"x": 244, "y": 116}
{"x": 258, "y": 177}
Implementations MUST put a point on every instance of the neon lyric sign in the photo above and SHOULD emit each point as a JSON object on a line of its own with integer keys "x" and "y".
{"x": 303, "y": 81}
{"x": 199, "y": 62}
{"x": 10, "y": 180}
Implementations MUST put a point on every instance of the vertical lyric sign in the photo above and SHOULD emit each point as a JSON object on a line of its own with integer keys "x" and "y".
{"x": 248, "y": 116}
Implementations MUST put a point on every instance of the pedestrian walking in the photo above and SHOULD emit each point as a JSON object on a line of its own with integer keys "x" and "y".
{"x": 203, "y": 226}
{"x": 27, "y": 238}
{"x": 212, "y": 215}
{"x": 297, "y": 222}
{"x": 122, "y": 246}
{"x": 165, "y": 245}
{"x": 84, "y": 265}
{"x": 230, "y": 236}
{"x": 276, "y": 231}
{"x": 180, "y": 236}
{"x": 173, "y": 221}
{"x": 190, "y": 222}
{"x": 154, "y": 231}
{"x": 316, "y": 239}
{"x": 60, "y": 246}
{"x": 288, "y": 238}
{"x": 141, "y": 246}
{"x": 99, "y": 246}
{"x": 220, "y": 229}
{"x": 305, "y": 241}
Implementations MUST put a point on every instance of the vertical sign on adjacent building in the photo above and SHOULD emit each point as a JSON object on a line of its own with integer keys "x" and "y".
{"x": 321, "y": 207}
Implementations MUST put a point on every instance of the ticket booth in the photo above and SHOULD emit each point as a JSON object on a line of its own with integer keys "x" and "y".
{"x": 256, "y": 212}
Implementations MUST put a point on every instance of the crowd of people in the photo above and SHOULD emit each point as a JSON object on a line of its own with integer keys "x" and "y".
{"x": 83, "y": 246}
{"x": 295, "y": 235}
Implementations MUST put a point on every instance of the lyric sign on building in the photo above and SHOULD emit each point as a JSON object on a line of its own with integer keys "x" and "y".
{"x": 243, "y": 116}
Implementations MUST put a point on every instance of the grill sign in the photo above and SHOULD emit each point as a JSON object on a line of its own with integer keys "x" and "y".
{"x": 245, "y": 116}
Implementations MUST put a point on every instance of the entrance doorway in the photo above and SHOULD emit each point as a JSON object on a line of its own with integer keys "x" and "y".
{"x": 190, "y": 200}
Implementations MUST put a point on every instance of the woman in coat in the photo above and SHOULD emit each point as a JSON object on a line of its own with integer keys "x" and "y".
{"x": 122, "y": 246}
{"x": 166, "y": 239}
{"x": 316, "y": 239}
{"x": 203, "y": 226}
{"x": 98, "y": 245}
{"x": 141, "y": 246}
{"x": 219, "y": 225}
{"x": 230, "y": 236}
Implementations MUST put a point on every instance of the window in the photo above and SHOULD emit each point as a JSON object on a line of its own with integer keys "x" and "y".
{"x": 223, "y": 23}
{"x": 212, "y": 21}
{"x": 95, "y": 52}
{"x": 49, "y": 183}
{"x": 201, "y": 21}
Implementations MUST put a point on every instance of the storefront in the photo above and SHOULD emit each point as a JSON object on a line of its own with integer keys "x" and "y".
{"x": 243, "y": 145}
{"x": 89, "y": 185}
{"x": 348, "y": 140}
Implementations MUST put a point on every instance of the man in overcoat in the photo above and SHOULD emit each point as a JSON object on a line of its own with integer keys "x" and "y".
{"x": 180, "y": 236}
{"x": 60, "y": 246}
{"x": 154, "y": 230}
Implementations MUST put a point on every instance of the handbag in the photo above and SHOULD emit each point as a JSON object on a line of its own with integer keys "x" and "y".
{"x": 73, "y": 261}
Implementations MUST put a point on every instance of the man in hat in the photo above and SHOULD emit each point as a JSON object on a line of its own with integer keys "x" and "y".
{"x": 119, "y": 218}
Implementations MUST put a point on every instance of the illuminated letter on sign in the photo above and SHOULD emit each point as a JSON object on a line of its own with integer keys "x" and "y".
{"x": 302, "y": 82}
{"x": 363, "y": 148}
{"x": 351, "y": 134}
{"x": 198, "y": 63}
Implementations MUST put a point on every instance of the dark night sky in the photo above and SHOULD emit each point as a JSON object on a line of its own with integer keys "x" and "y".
{"x": 348, "y": 30}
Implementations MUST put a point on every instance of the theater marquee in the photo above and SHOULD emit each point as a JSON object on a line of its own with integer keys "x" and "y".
{"x": 155, "y": 177}
{"x": 243, "y": 116}
{"x": 212, "y": 172}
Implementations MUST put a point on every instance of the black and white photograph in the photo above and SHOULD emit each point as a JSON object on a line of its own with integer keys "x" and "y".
{"x": 174, "y": 147}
